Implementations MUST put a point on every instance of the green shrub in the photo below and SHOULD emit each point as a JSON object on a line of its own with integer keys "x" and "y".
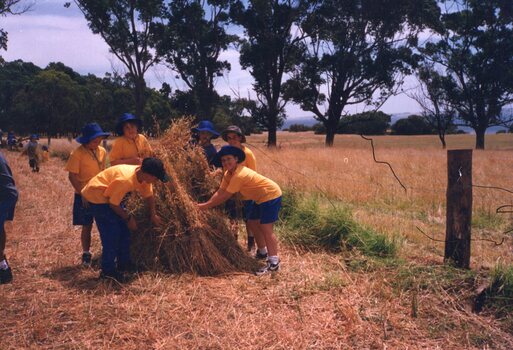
{"x": 331, "y": 228}
{"x": 501, "y": 290}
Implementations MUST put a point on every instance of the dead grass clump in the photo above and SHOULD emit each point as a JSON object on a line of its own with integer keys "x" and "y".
{"x": 190, "y": 240}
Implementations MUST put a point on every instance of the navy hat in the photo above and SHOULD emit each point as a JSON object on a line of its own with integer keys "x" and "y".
{"x": 127, "y": 117}
{"x": 206, "y": 125}
{"x": 90, "y": 132}
{"x": 155, "y": 167}
{"x": 235, "y": 129}
{"x": 229, "y": 151}
{"x": 34, "y": 136}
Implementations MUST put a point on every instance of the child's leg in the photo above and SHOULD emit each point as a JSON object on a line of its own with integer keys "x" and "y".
{"x": 3, "y": 239}
{"x": 106, "y": 221}
{"x": 254, "y": 226}
{"x": 270, "y": 238}
{"x": 123, "y": 254}
{"x": 85, "y": 237}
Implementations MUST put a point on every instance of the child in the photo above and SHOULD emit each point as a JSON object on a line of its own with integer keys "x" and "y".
{"x": 84, "y": 163}
{"x": 32, "y": 151}
{"x": 46, "y": 154}
{"x": 207, "y": 133}
{"x": 130, "y": 147}
{"x": 8, "y": 199}
{"x": 234, "y": 136}
{"x": 104, "y": 195}
{"x": 266, "y": 197}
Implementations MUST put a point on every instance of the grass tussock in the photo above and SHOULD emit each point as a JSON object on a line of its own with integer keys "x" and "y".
{"x": 501, "y": 289}
{"x": 190, "y": 240}
{"x": 332, "y": 228}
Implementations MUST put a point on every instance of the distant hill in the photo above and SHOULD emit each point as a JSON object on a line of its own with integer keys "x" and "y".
{"x": 309, "y": 121}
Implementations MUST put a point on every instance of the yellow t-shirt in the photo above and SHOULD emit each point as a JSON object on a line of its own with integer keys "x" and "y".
{"x": 123, "y": 147}
{"x": 112, "y": 184}
{"x": 250, "y": 161}
{"x": 251, "y": 185}
{"x": 86, "y": 163}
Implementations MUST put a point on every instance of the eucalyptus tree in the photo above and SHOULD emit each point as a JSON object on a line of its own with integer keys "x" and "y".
{"x": 190, "y": 39}
{"x": 475, "y": 49}
{"x": 127, "y": 28}
{"x": 270, "y": 49}
{"x": 431, "y": 95}
{"x": 358, "y": 52}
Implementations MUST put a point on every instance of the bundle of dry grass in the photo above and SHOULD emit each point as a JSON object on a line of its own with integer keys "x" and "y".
{"x": 190, "y": 240}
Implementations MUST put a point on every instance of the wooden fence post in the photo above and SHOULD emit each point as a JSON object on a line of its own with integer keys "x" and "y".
{"x": 459, "y": 208}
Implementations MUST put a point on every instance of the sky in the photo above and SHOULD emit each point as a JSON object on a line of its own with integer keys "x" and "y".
{"x": 49, "y": 32}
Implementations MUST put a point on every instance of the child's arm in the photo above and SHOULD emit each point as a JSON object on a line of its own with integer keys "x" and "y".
{"x": 155, "y": 219}
{"x": 219, "y": 197}
{"x": 73, "y": 178}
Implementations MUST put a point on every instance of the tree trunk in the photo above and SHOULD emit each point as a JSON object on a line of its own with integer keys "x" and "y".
{"x": 480, "y": 138}
{"x": 330, "y": 136}
{"x": 139, "y": 95}
{"x": 442, "y": 140}
{"x": 272, "y": 122}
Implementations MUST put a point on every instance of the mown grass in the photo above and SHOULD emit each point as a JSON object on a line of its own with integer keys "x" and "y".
{"x": 307, "y": 223}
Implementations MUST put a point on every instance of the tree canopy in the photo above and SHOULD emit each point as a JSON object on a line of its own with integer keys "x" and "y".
{"x": 474, "y": 47}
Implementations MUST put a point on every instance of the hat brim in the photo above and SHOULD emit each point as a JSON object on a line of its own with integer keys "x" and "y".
{"x": 214, "y": 133}
{"x": 164, "y": 178}
{"x": 119, "y": 125}
{"x": 85, "y": 140}
{"x": 229, "y": 151}
{"x": 225, "y": 133}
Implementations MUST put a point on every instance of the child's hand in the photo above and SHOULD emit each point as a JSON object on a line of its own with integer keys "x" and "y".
{"x": 156, "y": 220}
{"x": 132, "y": 224}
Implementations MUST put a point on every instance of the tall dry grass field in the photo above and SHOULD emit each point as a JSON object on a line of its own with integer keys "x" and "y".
{"x": 348, "y": 173}
{"x": 318, "y": 300}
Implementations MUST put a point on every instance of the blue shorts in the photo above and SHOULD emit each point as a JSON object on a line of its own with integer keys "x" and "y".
{"x": 81, "y": 216}
{"x": 266, "y": 212}
{"x": 7, "y": 211}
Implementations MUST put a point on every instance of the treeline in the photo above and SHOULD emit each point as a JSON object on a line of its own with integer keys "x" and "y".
{"x": 324, "y": 55}
{"x": 56, "y": 100}
{"x": 378, "y": 123}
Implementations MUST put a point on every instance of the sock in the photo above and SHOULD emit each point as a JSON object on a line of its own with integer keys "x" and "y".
{"x": 262, "y": 250}
{"x": 251, "y": 241}
{"x": 4, "y": 265}
{"x": 273, "y": 259}
{"x": 86, "y": 252}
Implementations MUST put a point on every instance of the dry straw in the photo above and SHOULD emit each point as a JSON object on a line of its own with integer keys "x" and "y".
{"x": 190, "y": 240}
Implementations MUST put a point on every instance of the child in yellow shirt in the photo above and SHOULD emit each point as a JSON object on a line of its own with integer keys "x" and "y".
{"x": 263, "y": 192}
{"x": 104, "y": 194}
{"x": 130, "y": 147}
{"x": 234, "y": 136}
{"x": 84, "y": 163}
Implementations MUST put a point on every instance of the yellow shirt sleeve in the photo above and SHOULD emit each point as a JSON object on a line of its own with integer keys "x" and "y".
{"x": 146, "y": 150}
{"x": 250, "y": 161}
{"x": 103, "y": 157}
{"x": 116, "y": 151}
{"x": 73, "y": 163}
{"x": 224, "y": 181}
{"x": 116, "y": 190}
{"x": 235, "y": 184}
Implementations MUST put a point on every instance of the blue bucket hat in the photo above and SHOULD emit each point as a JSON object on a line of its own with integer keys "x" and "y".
{"x": 229, "y": 151}
{"x": 206, "y": 125}
{"x": 90, "y": 132}
{"x": 127, "y": 117}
